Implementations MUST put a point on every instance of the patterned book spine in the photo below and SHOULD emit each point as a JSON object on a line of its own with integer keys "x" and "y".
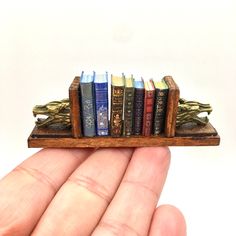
{"x": 88, "y": 109}
{"x": 160, "y": 110}
{"x": 138, "y": 111}
{"x": 101, "y": 97}
{"x": 117, "y": 96}
{"x": 148, "y": 112}
{"x": 128, "y": 111}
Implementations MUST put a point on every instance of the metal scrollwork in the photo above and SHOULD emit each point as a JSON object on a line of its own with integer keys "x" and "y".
{"x": 188, "y": 112}
{"x": 57, "y": 114}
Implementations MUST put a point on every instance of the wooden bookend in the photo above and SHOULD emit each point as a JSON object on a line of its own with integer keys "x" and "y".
{"x": 172, "y": 107}
{"x": 75, "y": 108}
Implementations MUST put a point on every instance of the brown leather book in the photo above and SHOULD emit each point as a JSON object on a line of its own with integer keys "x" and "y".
{"x": 172, "y": 106}
{"x": 148, "y": 108}
{"x": 117, "y": 97}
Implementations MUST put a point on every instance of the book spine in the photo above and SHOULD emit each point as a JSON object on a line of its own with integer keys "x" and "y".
{"x": 128, "y": 111}
{"x": 101, "y": 97}
{"x": 117, "y": 96}
{"x": 148, "y": 112}
{"x": 138, "y": 111}
{"x": 88, "y": 109}
{"x": 159, "y": 110}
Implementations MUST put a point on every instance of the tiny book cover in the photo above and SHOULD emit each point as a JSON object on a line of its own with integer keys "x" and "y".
{"x": 128, "y": 106}
{"x": 161, "y": 95}
{"x": 101, "y": 104}
{"x": 138, "y": 106}
{"x": 87, "y": 104}
{"x": 148, "y": 107}
{"x": 117, "y": 97}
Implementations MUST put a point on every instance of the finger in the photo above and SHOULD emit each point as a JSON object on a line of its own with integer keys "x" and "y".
{"x": 168, "y": 220}
{"x": 29, "y": 188}
{"x": 132, "y": 207}
{"x": 82, "y": 200}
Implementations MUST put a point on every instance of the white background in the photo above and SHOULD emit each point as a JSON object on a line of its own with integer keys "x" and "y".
{"x": 44, "y": 45}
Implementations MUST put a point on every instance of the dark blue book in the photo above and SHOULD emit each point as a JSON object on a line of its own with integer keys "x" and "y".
{"x": 87, "y": 104}
{"x": 101, "y": 98}
{"x": 138, "y": 106}
{"x": 161, "y": 96}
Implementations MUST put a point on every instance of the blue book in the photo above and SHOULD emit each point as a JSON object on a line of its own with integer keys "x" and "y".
{"x": 101, "y": 98}
{"x": 87, "y": 104}
{"x": 138, "y": 106}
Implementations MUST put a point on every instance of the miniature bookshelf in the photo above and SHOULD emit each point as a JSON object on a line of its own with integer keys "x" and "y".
{"x": 186, "y": 135}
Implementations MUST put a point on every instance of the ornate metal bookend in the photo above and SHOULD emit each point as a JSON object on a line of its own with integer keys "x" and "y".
{"x": 57, "y": 112}
{"x": 188, "y": 112}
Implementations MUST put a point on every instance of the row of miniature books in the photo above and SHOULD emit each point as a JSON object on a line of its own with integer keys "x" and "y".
{"x": 137, "y": 106}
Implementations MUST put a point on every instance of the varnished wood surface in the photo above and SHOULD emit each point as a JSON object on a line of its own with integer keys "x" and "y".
{"x": 75, "y": 107}
{"x": 58, "y": 140}
{"x": 122, "y": 142}
{"x": 51, "y": 133}
{"x": 196, "y": 130}
{"x": 172, "y": 106}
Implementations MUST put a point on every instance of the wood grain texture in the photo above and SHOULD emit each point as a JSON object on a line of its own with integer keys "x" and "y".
{"x": 172, "y": 106}
{"x": 51, "y": 133}
{"x": 191, "y": 129}
{"x": 60, "y": 141}
{"x": 75, "y": 107}
{"x": 122, "y": 142}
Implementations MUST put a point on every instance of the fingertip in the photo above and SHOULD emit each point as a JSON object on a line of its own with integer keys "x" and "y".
{"x": 168, "y": 220}
{"x": 126, "y": 152}
{"x": 159, "y": 155}
{"x": 64, "y": 151}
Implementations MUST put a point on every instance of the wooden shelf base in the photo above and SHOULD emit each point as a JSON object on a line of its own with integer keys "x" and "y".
{"x": 197, "y": 136}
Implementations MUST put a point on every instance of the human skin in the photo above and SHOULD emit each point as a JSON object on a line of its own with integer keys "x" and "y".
{"x": 109, "y": 191}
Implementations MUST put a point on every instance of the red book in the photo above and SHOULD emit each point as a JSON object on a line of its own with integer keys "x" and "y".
{"x": 148, "y": 107}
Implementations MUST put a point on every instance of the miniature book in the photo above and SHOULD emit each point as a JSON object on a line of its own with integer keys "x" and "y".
{"x": 148, "y": 107}
{"x": 117, "y": 97}
{"x": 88, "y": 104}
{"x": 101, "y": 102}
{"x": 138, "y": 106}
{"x": 161, "y": 95}
{"x": 128, "y": 106}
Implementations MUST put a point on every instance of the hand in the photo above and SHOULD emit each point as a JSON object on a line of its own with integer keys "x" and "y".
{"x": 89, "y": 192}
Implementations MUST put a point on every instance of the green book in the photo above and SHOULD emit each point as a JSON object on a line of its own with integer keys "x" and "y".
{"x": 128, "y": 106}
